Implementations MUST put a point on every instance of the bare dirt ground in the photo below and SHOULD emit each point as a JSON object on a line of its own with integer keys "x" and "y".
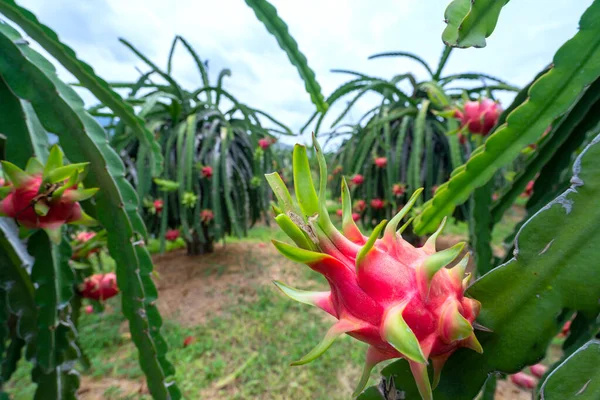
{"x": 204, "y": 284}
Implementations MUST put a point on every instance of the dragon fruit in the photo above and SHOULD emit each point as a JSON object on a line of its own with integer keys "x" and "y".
{"x": 206, "y": 215}
{"x": 381, "y": 162}
{"x": 523, "y": 380}
{"x": 264, "y": 143}
{"x": 46, "y": 197}
{"x": 99, "y": 286}
{"x": 399, "y": 299}
{"x": 377, "y": 204}
{"x": 360, "y": 205}
{"x": 398, "y": 189}
{"x": 206, "y": 172}
{"x": 357, "y": 179}
{"x": 172, "y": 234}
{"x": 158, "y": 205}
{"x": 538, "y": 370}
{"x": 479, "y": 117}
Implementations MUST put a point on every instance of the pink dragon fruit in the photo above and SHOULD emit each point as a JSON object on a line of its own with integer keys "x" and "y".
{"x": 339, "y": 212}
{"x": 398, "y": 189}
{"x": 355, "y": 216}
{"x": 84, "y": 236}
{"x": 523, "y": 380}
{"x": 399, "y": 299}
{"x": 479, "y": 117}
{"x": 172, "y": 234}
{"x": 357, "y": 179}
{"x": 206, "y": 172}
{"x": 538, "y": 370}
{"x": 46, "y": 197}
{"x": 377, "y": 204}
{"x": 360, "y": 205}
{"x": 99, "y": 286}
{"x": 264, "y": 143}
{"x": 206, "y": 215}
{"x": 158, "y": 205}
{"x": 381, "y": 162}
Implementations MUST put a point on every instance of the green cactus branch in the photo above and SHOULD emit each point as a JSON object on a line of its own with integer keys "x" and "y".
{"x": 471, "y": 22}
{"x": 50, "y": 41}
{"x": 576, "y": 65}
{"x": 521, "y": 299}
{"x": 267, "y": 14}
{"x": 34, "y": 79}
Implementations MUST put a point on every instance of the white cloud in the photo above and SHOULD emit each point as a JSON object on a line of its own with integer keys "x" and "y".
{"x": 331, "y": 33}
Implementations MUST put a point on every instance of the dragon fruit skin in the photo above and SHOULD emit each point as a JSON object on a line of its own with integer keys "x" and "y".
{"x": 46, "y": 197}
{"x": 479, "y": 117}
{"x": 399, "y": 299}
{"x": 99, "y": 287}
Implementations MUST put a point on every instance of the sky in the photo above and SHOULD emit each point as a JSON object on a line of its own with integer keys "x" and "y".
{"x": 331, "y": 33}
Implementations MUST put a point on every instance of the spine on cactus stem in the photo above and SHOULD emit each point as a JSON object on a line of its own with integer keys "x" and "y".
{"x": 401, "y": 300}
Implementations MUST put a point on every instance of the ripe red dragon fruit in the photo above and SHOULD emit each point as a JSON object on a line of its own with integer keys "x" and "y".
{"x": 84, "y": 236}
{"x": 46, "y": 197}
{"x": 398, "y": 189}
{"x": 399, "y": 299}
{"x": 172, "y": 234}
{"x": 381, "y": 162}
{"x": 99, "y": 286}
{"x": 360, "y": 205}
{"x": 206, "y": 172}
{"x": 528, "y": 189}
{"x": 357, "y": 179}
{"x": 158, "y": 205}
{"x": 377, "y": 204}
{"x": 355, "y": 216}
{"x": 479, "y": 117}
{"x": 339, "y": 212}
{"x": 538, "y": 370}
{"x": 264, "y": 143}
{"x": 206, "y": 215}
{"x": 523, "y": 380}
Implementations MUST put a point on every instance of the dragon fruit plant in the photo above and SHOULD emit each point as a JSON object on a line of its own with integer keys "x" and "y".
{"x": 214, "y": 157}
{"x": 399, "y": 299}
{"x": 75, "y": 179}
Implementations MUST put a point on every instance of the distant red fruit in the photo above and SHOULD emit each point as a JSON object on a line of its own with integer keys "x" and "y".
{"x": 188, "y": 340}
{"x": 172, "y": 234}
{"x": 355, "y": 216}
{"x": 398, "y": 189}
{"x": 357, "y": 179}
{"x": 89, "y": 309}
{"x": 538, "y": 370}
{"x": 523, "y": 380}
{"x": 360, "y": 205}
{"x": 158, "y": 205}
{"x": 339, "y": 212}
{"x": 206, "y": 215}
{"x": 528, "y": 189}
{"x": 565, "y": 329}
{"x": 377, "y": 204}
{"x": 479, "y": 117}
{"x": 99, "y": 286}
{"x": 207, "y": 172}
{"x": 83, "y": 237}
{"x": 264, "y": 143}
{"x": 381, "y": 162}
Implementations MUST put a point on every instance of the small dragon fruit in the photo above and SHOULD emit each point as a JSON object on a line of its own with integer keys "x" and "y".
{"x": 264, "y": 143}
{"x": 357, "y": 179}
{"x": 523, "y": 380}
{"x": 377, "y": 204}
{"x": 360, "y": 205}
{"x": 46, "y": 197}
{"x": 538, "y": 370}
{"x": 99, "y": 286}
{"x": 398, "y": 189}
{"x": 399, "y": 299}
{"x": 206, "y": 215}
{"x": 355, "y": 216}
{"x": 172, "y": 234}
{"x": 339, "y": 212}
{"x": 381, "y": 162}
{"x": 158, "y": 205}
{"x": 479, "y": 117}
{"x": 206, "y": 172}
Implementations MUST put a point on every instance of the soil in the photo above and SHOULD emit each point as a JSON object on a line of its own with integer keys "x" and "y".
{"x": 205, "y": 284}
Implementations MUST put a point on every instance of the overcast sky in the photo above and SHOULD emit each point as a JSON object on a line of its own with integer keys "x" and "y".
{"x": 331, "y": 33}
